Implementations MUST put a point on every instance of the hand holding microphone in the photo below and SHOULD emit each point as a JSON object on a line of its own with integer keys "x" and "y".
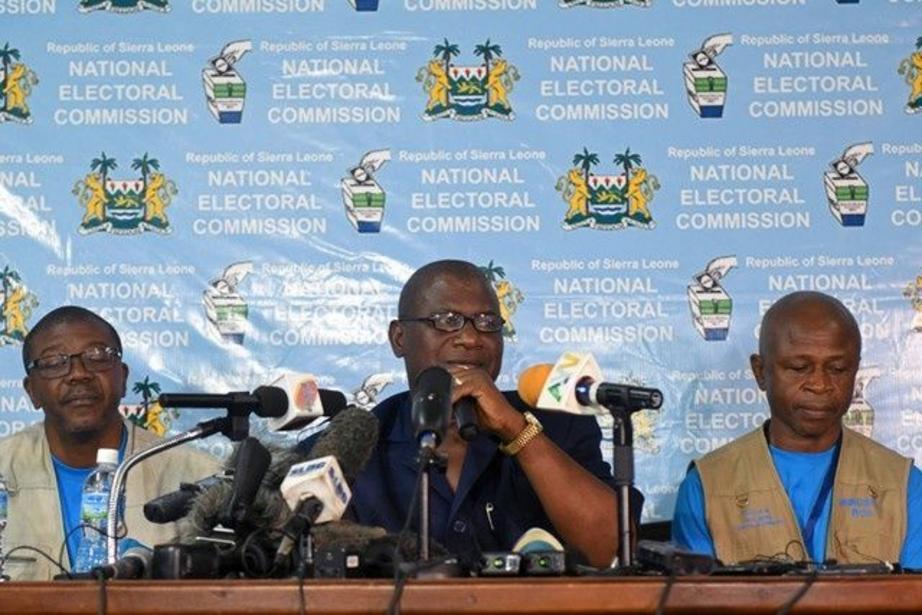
{"x": 474, "y": 388}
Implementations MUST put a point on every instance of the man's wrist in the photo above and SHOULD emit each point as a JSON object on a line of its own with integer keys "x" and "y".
{"x": 531, "y": 430}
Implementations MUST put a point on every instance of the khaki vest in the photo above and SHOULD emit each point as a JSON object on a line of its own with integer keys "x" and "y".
{"x": 34, "y": 516}
{"x": 750, "y": 516}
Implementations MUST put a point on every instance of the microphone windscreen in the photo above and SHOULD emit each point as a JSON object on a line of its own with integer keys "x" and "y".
{"x": 273, "y": 401}
{"x": 351, "y": 438}
{"x": 333, "y": 402}
{"x": 531, "y": 381}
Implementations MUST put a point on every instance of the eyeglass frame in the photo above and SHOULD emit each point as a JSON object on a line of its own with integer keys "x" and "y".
{"x": 431, "y": 319}
{"x": 115, "y": 355}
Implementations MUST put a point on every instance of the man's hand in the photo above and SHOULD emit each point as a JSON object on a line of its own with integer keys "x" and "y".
{"x": 494, "y": 414}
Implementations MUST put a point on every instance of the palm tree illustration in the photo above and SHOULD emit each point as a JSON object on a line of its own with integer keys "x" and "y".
{"x": 447, "y": 51}
{"x": 144, "y": 165}
{"x": 7, "y": 55}
{"x": 104, "y": 164}
{"x": 145, "y": 388}
{"x": 628, "y": 161}
{"x": 586, "y": 161}
{"x": 493, "y": 273}
{"x": 488, "y": 52}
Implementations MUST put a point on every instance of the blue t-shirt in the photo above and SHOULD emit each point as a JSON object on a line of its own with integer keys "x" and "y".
{"x": 802, "y": 476}
{"x": 70, "y": 489}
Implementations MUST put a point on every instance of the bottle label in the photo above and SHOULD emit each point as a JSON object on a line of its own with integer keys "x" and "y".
{"x": 95, "y": 508}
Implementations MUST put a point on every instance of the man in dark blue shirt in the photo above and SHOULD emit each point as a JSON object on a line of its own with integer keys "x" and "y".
{"x": 526, "y": 468}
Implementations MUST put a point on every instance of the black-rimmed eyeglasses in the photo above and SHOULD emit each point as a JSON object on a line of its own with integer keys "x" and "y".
{"x": 451, "y": 322}
{"x": 95, "y": 359}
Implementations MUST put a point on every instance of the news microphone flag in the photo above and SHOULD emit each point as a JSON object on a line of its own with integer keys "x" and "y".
{"x": 321, "y": 478}
{"x": 558, "y": 390}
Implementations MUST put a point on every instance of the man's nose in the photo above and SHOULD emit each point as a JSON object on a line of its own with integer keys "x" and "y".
{"x": 468, "y": 335}
{"x": 819, "y": 380}
{"x": 78, "y": 370}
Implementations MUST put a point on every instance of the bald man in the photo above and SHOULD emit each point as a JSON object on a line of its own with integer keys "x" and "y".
{"x": 802, "y": 485}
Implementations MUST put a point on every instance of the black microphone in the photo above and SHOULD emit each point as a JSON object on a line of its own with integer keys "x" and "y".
{"x": 174, "y": 505}
{"x": 621, "y": 396}
{"x": 431, "y": 405}
{"x": 265, "y": 401}
{"x": 250, "y": 465}
{"x": 466, "y": 418}
{"x": 135, "y": 563}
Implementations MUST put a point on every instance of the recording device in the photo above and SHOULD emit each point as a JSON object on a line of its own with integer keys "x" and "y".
{"x": 265, "y": 401}
{"x": 135, "y": 563}
{"x": 174, "y": 505}
{"x": 306, "y": 402}
{"x": 431, "y": 406}
{"x": 669, "y": 559}
{"x": 500, "y": 564}
{"x": 466, "y": 418}
{"x": 574, "y": 385}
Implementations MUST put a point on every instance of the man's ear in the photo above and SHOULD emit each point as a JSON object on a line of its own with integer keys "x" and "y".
{"x": 27, "y": 385}
{"x": 124, "y": 380}
{"x": 758, "y": 369}
{"x": 395, "y": 335}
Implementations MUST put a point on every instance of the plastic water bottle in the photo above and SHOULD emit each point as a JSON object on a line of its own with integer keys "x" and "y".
{"x": 94, "y": 511}
{"x": 4, "y": 510}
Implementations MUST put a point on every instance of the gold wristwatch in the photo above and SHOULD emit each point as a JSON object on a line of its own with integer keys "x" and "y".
{"x": 532, "y": 429}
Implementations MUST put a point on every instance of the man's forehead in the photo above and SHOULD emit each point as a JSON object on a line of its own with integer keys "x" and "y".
{"x": 446, "y": 290}
{"x": 71, "y": 333}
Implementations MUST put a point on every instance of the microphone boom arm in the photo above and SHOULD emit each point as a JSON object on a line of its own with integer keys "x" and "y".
{"x": 202, "y": 430}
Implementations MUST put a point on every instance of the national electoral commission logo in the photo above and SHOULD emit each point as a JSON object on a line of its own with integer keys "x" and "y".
{"x": 608, "y": 202}
{"x": 508, "y": 294}
{"x": 16, "y": 81}
{"x": 705, "y": 82}
{"x": 148, "y": 413}
{"x": 17, "y": 303}
{"x": 911, "y": 69}
{"x": 468, "y": 93}
{"x": 603, "y": 4}
{"x": 123, "y": 6}
{"x": 846, "y": 191}
{"x": 363, "y": 196}
{"x": 225, "y": 89}
{"x": 124, "y": 206}
{"x": 226, "y": 309}
{"x": 913, "y": 292}
{"x": 710, "y": 305}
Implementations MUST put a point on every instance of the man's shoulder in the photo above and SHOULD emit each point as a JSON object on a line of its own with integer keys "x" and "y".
{"x": 731, "y": 449}
{"x": 192, "y": 459}
{"x": 30, "y": 437}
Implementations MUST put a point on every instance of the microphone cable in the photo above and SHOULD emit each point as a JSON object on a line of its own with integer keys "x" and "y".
{"x": 400, "y": 580}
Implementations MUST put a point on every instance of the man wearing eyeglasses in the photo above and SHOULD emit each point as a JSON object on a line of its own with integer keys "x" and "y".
{"x": 75, "y": 375}
{"x": 527, "y": 468}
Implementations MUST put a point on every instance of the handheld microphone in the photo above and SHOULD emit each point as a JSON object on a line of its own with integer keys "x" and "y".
{"x": 306, "y": 402}
{"x": 466, "y": 418}
{"x": 265, "y": 401}
{"x": 174, "y": 505}
{"x": 574, "y": 385}
{"x": 431, "y": 406}
{"x": 135, "y": 563}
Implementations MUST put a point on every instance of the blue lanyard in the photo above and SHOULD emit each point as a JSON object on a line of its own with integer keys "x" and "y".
{"x": 821, "y": 498}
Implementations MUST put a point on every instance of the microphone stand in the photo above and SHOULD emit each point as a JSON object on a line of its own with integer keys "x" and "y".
{"x": 236, "y": 426}
{"x": 428, "y": 458}
{"x": 623, "y": 475}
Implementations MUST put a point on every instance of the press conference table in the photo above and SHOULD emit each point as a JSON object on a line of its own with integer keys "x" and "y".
{"x": 714, "y": 596}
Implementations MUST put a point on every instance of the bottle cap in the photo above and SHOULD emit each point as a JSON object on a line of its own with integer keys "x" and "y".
{"x": 107, "y": 455}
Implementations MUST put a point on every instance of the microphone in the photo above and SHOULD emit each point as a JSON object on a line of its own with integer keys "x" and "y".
{"x": 135, "y": 563}
{"x": 306, "y": 402}
{"x": 265, "y": 401}
{"x": 574, "y": 385}
{"x": 251, "y": 462}
{"x": 174, "y": 505}
{"x": 431, "y": 406}
{"x": 466, "y": 418}
{"x": 317, "y": 489}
